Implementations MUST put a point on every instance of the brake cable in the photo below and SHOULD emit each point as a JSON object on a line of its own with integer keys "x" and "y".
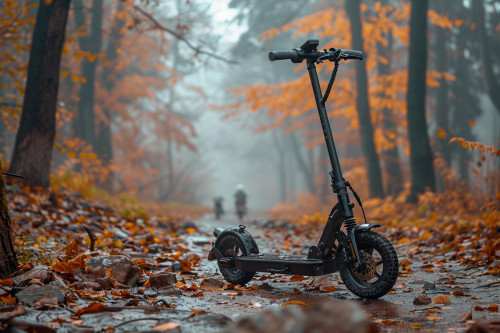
{"x": 335, "y": 58}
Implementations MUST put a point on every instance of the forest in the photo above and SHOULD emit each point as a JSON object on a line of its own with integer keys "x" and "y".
{"x": 170, "y": 165}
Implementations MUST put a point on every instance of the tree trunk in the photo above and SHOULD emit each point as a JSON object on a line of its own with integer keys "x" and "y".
{"x": 104, "y": 138}
{"x": 422, "y": 169}
{"x": 35, "y": 137}
{"x": 365, "y": 123}
{"x": 492, "y": 85}
{"x": 281, "y": 166}
{"x": 303, "y": 165}
{"x": 85, "y": 128}
{"x": 442, "y": 101}
{"x": 394, "y": 176}
{"x": 8, "y": 259}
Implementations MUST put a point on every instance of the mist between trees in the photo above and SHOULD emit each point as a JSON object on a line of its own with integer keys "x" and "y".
{"x": 160, "y": 101}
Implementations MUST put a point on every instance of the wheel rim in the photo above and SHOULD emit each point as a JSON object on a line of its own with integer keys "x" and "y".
{"x": 373, "y": 270}
{"x": 233, "y": 250}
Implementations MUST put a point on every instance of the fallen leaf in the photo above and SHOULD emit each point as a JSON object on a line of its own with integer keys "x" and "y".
{"x": 166, "y": 327}
{"x": 294, "y": 303}
{"x": 441, "y": 300}
{"x": 416, "y": 325}
{"x": 478, "y": 308}
{"x": 92, "y": 308}
{"x": 433, "y": 317}
{"x": 7, "y": 282}
{"x": 17, "y": 311}
{"x": 70, "y": 266}
{"x": 198, "y": 312}
{"x": 6, "y": 298}
{"x": 493, "y": 308}
{"x": 198, "y": 294}
{"x": 297, "y": 278}
{"x": 422, "y": 300}
{"x": 465, "y": 317}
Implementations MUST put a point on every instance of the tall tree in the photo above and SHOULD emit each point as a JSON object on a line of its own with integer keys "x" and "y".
{"x": 422, "y": 169}
{"x": 91, "y": 45}
{"x": 35, "y": 137}
{"x": 365, "y": 122}
{"x": 394, "y": 176}
{"x": 8, "y": 259}
{"x": 104, "y": 147}
{"x": 442, "y": 92}
{"x": 491, "y": 79}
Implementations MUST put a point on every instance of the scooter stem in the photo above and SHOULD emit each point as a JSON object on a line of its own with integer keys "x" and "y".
{"x": 338, "y": 182}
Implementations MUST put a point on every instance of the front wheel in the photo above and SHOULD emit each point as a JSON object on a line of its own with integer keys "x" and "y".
{"x": 381, "y": 266}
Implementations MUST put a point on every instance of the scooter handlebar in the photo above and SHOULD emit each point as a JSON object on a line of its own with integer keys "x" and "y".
{"x": 297, "y": 55}
{"x": 351, "y": 54}
{"x": 293, "y": 55}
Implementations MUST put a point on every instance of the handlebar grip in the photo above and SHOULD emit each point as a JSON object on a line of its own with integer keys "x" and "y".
{"x": 352, "y": 54}
{"x": 293, "y": 55}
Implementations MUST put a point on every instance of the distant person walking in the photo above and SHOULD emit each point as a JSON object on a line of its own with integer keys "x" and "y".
{"x": 240, "y": 201}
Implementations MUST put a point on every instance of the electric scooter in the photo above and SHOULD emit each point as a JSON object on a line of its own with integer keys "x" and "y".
{"x": 366, "y": 260}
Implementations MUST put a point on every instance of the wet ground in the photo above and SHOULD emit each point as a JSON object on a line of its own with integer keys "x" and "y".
{"x": 395, "y": 312}
{"x": 469, "y": 291}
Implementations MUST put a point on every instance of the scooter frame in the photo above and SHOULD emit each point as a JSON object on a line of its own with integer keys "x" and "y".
{"x": 321, "y": 258}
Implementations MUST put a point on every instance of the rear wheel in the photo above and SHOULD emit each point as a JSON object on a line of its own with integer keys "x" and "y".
{"x": 380, "y": 270}
{"x": 232, "y": 246}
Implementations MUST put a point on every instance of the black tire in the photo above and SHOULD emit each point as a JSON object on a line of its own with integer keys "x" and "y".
{"x": 231, "y": 246}
{"x": 382, "y": 266}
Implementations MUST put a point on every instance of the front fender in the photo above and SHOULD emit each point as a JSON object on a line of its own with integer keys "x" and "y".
{"x": 366, "y": 226}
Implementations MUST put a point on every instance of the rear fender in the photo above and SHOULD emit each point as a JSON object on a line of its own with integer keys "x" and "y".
{"x": 240, "y": 232}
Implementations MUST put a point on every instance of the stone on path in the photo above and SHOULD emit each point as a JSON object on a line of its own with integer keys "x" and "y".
{"x": 123, "y": 270}
{"x": 35, "y": 293}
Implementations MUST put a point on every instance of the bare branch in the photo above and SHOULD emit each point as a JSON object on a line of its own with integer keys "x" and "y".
{"x": 182, "y": 38}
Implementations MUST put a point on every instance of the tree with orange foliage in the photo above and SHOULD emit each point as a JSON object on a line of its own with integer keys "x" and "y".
{"x": 422, "y": 169}
{"x": 35, "y": 137}
{"x": 363, "y": 108}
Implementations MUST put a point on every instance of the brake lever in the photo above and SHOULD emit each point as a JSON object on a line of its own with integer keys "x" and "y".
{"x": 331, "y": 55}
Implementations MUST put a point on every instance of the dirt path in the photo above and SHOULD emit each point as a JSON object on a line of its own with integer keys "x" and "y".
{"x": 202, "y": 302}
{"x": 468, "y": 290}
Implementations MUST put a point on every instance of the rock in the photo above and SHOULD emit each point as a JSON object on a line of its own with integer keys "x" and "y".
{"x": 422, "y": 300}
{"x": 89, "y": 285}
{"x": 176, "y": 267}
{"x": 264, "y": 286}
{"x": 200, "y": 240}
{"x": 38, "y": 272}
{"x": 123, "y": 270}
{"x": 343, "y": 316}
{"x": 429, "y": 286}
{"x": 35, "y": 293}
{"x": 162, "y": 281}
{"x": 211, "y": 284}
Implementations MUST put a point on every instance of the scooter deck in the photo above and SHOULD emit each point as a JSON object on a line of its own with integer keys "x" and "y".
{"x": 284, "y": 264}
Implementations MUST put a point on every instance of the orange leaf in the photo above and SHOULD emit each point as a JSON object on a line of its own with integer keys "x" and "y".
{"x": 297, "y": 278}
{"x": 493, "y": 308}
{"x": 92, "y": 308}
{"x": 198, "y": 294}
{"x": 70, "y": 266}
{"x": 294, "y": 303}
{"x": 6, "y": 298}
{"x": 166, "y": 327}
{"x": 441, "y": 300}
{"x": 7, "y": 282}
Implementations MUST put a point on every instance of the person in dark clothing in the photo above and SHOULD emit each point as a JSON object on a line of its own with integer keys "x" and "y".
{"x": 240, "y": 201}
